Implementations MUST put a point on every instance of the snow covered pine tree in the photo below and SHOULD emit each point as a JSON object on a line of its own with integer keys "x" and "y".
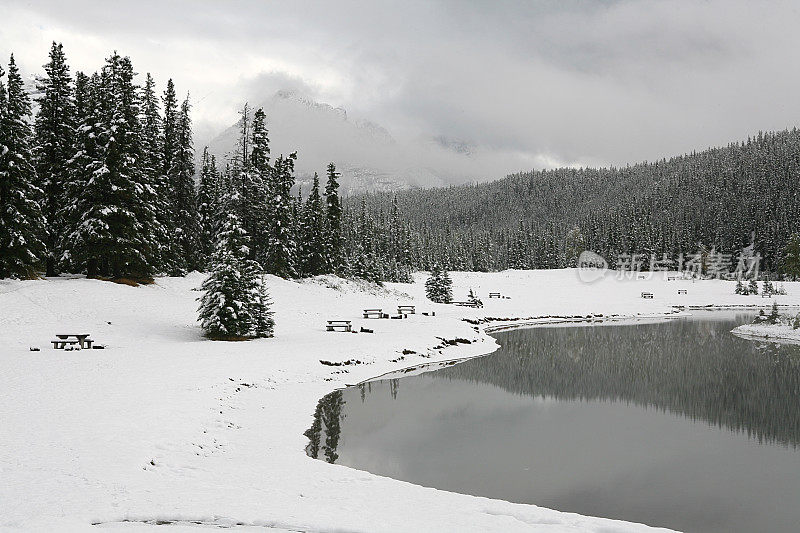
{"x": 235, "y": 305}
{"x": 439, "y": 286}
{"x": 21, "y": 221}
{"x": 55, "y": 132}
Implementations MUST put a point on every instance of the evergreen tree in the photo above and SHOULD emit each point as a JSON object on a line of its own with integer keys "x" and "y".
{"x": 312, "y": 233}
{"x": 773, "y": 316}
{"x": 21, "y": 220}
{"x": 257, "y": 186}
{"x": 184, "y": 197}
{"x": 447, "y": 287}
{"x": 55, "y": 131}
{"x": 740, "y": 288}
{"x": 153, "y": 170}
{"x": 439, "y": 287}
{"x": 767, "y": 288}
{"x": 752, "y": 286}
{"x": 282, "y": 253}
{"x": 170, "y": 249}
{"x": 333, "y": 214}
{"x": 235, "y": 304}
{"x": 208, "y": 208}
{"x": 264, "y": 322}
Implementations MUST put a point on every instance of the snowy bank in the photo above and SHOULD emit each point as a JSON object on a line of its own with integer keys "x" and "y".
{"x": 164, "y": 426}
{"x": 782, "y": 330}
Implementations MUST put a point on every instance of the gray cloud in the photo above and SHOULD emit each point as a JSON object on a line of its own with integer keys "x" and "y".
{"x": 554, "y": 82}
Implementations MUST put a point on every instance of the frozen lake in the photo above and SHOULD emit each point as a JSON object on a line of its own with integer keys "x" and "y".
{"x": 677, "y": 424}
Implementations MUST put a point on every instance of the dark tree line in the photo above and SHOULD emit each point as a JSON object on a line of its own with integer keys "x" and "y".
{"x": 721, "y": 198}
{"x": 101, "y": 180}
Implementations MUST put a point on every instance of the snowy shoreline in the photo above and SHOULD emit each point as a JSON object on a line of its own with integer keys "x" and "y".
{"x": 165, "y": 426}
{"x": 768, "y": 332}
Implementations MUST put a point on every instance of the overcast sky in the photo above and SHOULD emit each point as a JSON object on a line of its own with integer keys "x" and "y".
{"x": 583, "y": 82}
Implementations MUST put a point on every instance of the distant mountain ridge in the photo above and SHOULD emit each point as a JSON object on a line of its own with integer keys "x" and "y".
{"x": 369, "y": 157}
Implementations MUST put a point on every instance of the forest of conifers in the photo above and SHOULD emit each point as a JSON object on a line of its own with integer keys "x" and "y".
{"x": 101, "y": 179}
{"x": 721, "y": 198}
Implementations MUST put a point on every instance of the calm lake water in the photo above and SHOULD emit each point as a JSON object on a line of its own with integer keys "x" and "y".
{"x": 677, "y": 424}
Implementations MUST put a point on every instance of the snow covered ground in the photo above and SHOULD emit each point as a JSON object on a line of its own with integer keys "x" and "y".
{"x": 166, "y": 427}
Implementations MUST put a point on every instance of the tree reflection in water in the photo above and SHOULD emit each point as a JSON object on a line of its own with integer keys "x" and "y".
{"x": 690, "y": 367}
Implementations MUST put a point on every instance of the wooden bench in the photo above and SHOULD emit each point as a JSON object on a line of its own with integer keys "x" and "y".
{"x": 373, "y": 313}
{"x": 647, "y": 295}
{"x": 71, "y": 339}
{"x": 494, "y": 295}
{"x": 682, "y": 291}
{"x": 405, "y": 309}
{"x": 345, "y": 325}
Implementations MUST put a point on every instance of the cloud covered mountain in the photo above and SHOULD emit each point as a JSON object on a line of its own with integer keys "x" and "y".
{"x": 366, "y": 154}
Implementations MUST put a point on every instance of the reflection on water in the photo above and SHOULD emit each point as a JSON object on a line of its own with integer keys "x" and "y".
{"x": 695, "y": 368}
{"x": 677, "y": 424}
{"x": 327, "y": 418}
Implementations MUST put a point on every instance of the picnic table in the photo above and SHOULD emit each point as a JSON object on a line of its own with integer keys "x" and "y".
{"x": 468, "y": 304}
{"x": 373, "y": 313}
{"x": 406, "y": 309}
{"x": 344, "y": 324}
{"x": 81, "y": 340}
{"x": 647, "y": 295}
{"x": 682, "y": 291}
{"x": 494, "y": 295}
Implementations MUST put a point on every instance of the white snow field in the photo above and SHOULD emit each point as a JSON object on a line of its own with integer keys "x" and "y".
{"x": 166, "y": 430}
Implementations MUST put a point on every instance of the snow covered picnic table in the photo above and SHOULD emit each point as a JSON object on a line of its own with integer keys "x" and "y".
{"x": 405, "y": 309}
{"x": 374, "y": 313}
{"x": 81, "y": 340}
{"x": 346, "y": 325}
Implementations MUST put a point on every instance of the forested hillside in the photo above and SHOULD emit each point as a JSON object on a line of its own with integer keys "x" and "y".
{"x": 721, "y": 198}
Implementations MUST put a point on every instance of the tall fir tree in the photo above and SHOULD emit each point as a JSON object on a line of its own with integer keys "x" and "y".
{"x": 208, "y": 208}
{"x": 21, "y": 220}
{"x": 312, "y": 233}
{"x": 55, "y": 130}
{"x": 333, "y": 215}
{"x": 152, "y": 163}
{"x": 186, "y": 224}
{"x": 258, "y": 187}
{"x": 170, "y": 251}
{"x": 282, "y": 252}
